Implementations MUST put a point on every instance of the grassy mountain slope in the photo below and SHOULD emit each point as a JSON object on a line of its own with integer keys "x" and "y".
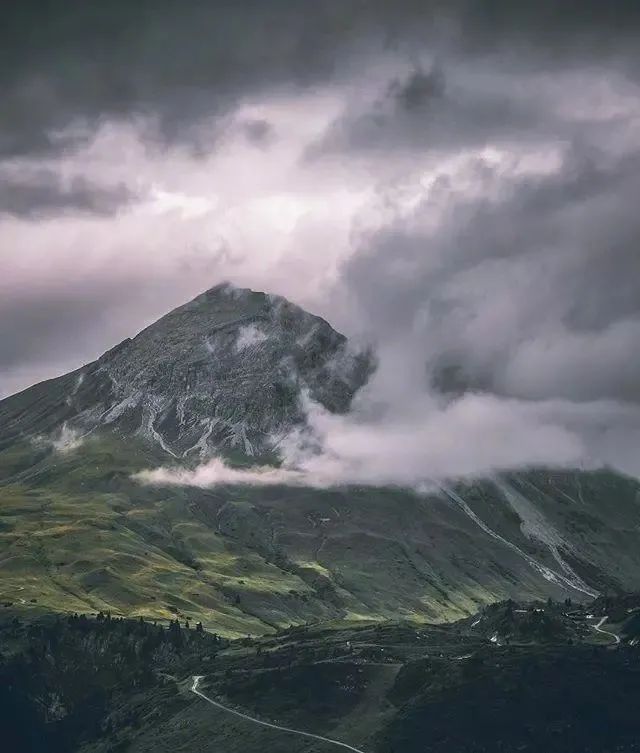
{"x": 79, "y": 534}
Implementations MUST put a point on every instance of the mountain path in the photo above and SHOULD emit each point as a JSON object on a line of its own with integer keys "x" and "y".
{"x": 246, "y": 717}
{"x": 599, "y": 628}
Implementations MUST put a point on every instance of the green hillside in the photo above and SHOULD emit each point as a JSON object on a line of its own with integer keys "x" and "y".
{"x": 78, "y": 533}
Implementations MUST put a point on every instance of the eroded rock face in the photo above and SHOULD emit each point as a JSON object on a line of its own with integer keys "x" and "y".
{"x": 226, "y": 370}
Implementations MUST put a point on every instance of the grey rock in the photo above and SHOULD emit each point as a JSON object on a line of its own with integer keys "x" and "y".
{"x": 226, "y": 371}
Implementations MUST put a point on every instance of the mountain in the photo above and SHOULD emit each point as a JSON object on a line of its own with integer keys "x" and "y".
{"x": 225, "y": 374}
{"x": 225, "y": 371}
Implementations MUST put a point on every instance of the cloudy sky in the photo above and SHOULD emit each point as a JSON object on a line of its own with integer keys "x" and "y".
{"x": 457, "y": 181}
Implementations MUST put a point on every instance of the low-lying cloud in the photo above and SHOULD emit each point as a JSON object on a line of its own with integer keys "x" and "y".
{"x": 422, "y": 443}
{"x": 65, "y": 441}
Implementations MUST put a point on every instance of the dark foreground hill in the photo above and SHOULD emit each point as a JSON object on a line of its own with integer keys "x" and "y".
{"x": 87, "y": 685}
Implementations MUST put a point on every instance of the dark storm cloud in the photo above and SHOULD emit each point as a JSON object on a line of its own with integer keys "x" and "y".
{"x": 44, "y": 193}
{"x": 575, "y": 27}
{"x": 432, "y": 110}
{"x": 258, "y": 132}
{"x": 80, "y": 62}
{"x": 418, "y": 91}
{"x": 177, "y": 60}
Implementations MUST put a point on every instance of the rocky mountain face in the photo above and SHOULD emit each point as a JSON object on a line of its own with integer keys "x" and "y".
{"x": 224, "y": 371}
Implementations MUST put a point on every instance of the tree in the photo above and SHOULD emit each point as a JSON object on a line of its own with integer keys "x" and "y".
{"x": 175, "y": 634}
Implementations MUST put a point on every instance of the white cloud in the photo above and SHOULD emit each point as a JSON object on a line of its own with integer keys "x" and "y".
{"x": 472, "y": 437}
{"x": 248, "y": 336}
{"x": 65, "y": 441}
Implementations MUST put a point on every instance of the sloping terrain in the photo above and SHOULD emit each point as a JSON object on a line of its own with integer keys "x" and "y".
{"x": 78, "y": 533}
{"x": 226, "y": 374}
{"x": 224, "y": 371}
{"x": 78, "y": 685}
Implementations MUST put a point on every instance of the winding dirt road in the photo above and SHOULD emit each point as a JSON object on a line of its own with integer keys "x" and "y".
{"x": 246, "y": 717}
{"x": 598, "y": 627}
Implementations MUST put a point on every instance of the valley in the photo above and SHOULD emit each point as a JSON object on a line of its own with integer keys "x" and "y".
{"x": 513, "y": 676}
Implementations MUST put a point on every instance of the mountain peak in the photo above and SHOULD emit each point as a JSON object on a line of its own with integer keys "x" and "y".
{"x": 231, "y": 294}
{"x": 225, "y": 370}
